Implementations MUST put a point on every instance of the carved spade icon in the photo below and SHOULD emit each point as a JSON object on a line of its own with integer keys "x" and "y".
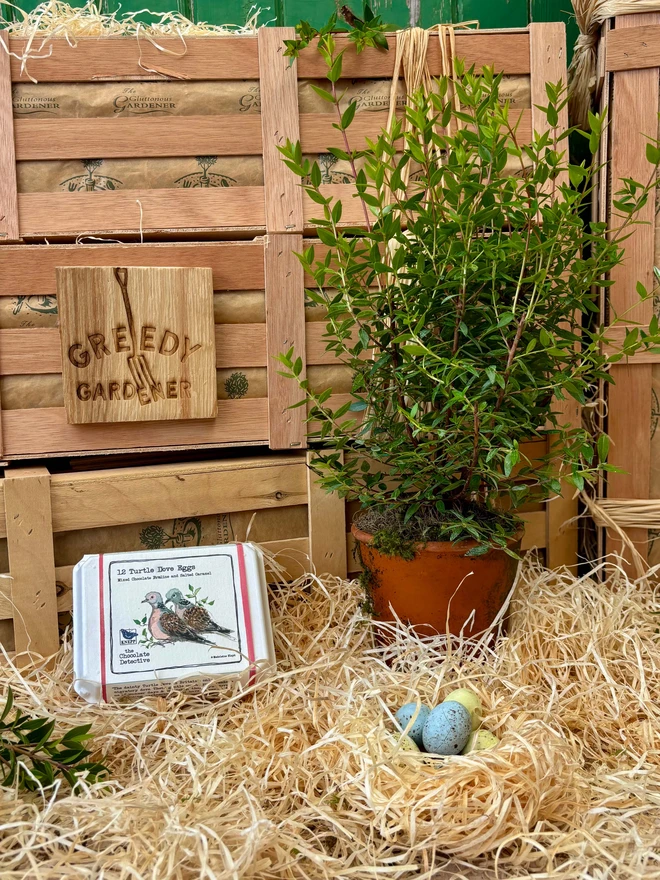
{"x": 137, "y": 363}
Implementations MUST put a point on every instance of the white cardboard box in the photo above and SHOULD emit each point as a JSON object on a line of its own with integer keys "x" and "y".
{"x": 134, "y": 635}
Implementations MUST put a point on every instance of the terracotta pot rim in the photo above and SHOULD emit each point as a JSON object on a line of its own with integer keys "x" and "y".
{"x": 460, "y": 548}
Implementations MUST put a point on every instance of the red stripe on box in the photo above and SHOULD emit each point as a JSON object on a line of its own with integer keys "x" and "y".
{"x": 102, "y": 628}
{"x": 247, "y": 617}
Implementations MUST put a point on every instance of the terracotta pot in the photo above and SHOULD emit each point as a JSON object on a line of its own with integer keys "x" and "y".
{"x": 425, "y": 591}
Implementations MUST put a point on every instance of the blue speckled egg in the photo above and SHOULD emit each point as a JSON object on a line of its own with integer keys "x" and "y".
{"x": 404, "y": 715}
{"x": 447, "y": 729}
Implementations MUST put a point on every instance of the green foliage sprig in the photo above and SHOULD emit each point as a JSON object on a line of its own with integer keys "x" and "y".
{"x": 458, "y": 306}
{"x": 362, "y": 32}
{"x": 32, "y": 758}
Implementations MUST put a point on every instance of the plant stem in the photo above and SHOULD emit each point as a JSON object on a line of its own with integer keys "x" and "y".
{"x": 349, "y": 153}
{"x": 33, "y": 754}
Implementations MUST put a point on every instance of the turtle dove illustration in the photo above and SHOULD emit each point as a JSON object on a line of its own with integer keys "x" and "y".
{"x": 195, "y": 616}
{"x": 165, "y": 626}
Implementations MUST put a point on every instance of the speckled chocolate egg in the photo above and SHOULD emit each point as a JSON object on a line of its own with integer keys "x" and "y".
{"x": 404, "y": 715}
{"x": 470, "y": 700}
{"x": 447, "y": 729}
{"x": 480, "y": 740}
{"x": 404, "y": 743}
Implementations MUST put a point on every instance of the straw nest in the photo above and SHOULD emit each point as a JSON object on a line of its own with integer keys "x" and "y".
{"x": 301, "y": 777}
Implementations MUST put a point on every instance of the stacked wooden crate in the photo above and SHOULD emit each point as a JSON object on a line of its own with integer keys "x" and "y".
{"x": 196, "y": 220}
{"x": 629, "y": 87}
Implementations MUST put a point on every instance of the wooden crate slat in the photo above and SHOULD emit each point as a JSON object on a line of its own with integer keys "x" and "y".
{"x": 285, "y": 329}
{"x": 31, "y": 270}
{"x": 135, "y": 495}
{"x": 135, "y": 138}
{"x": 634, "y": 115}
{"x": 236, "y": 58}
{"x": 317, "y": 132}
{"x": 31, "y": 560}
{"x": 292, "y": 554}
{"x": 45, "y": 431}
{"x": 8, "y": 191}
{"x": 632, "y": 46}
{"x": 36, "y": 351}
{"x": 548, "y": 64}
{"x": 92, "y": 60}
{"x": 240, "y": 345}
{"x": 155, "y": 210}
{"x": 327, "y": 526}
{"x": 506, "y": 52}
{"x": 280, "y": 122}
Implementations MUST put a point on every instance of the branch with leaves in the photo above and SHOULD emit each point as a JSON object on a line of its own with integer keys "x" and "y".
{"x": 458, "y": 304}
{"x": 32, "y": 758}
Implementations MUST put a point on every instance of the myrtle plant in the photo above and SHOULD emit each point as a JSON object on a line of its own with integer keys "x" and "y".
{"x": 465, "y": 305}
{"x": 32, "y": 758}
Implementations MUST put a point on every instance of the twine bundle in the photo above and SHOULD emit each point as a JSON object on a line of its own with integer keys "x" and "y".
{"x": 590, "y": 15}
{"x": 410, "y": 60}
{"x": 617, "y": 515}
{"x": 302, "y": 779}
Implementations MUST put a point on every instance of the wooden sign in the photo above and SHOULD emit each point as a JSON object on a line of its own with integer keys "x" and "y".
{"x": 138, "y": 344}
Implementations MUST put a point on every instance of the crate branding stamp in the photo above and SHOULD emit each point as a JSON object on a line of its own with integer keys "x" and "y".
{"x": 138, "y": 344}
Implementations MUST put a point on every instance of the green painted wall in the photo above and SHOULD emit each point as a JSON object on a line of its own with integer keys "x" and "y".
{"x": 490, "y": 13}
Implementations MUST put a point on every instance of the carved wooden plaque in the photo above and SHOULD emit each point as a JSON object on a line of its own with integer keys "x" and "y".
{"x": 138, "y": 344}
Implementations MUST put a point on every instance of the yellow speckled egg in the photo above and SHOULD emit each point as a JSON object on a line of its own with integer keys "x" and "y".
{"x": 480, "y": 740}
{"x": 470, "y": 701}
{"x": 405, "y": 743}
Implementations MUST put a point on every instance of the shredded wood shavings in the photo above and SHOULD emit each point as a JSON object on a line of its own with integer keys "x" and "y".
{"x": 58, "y": 19}
{"x": 302, "y": 778}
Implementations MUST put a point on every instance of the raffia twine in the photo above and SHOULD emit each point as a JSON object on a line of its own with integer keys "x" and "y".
{"x": 590, "y": 15}
{"x": 619, "y": 514}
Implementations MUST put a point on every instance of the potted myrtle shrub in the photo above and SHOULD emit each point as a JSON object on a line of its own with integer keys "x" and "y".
{"x": 465, "y": 307}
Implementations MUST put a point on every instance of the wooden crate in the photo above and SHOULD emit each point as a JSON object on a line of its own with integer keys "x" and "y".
{"x": 264, "y": 272}
{"x": 276, "y": 206}
{"x": 629, "y": 82}
{"x": 46, "y": 515}
{"x": 36, "y": 507}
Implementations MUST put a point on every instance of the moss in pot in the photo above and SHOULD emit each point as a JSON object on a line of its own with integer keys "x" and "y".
{"x": 465, "y": 308}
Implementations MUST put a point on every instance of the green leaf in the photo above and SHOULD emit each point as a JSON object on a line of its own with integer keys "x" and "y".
{"x": 603, "y": 447}
{"x": 653, "y": 154}
{"x": 334, "y": 73}
{"x": 480, "y": 550}
{"x": 322, "y": 93}
{"x": 506, "y": 318}
{"x": 510, "y": 460}
{"x": 348, "y": 115}
{"x": 8, "y": 704}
